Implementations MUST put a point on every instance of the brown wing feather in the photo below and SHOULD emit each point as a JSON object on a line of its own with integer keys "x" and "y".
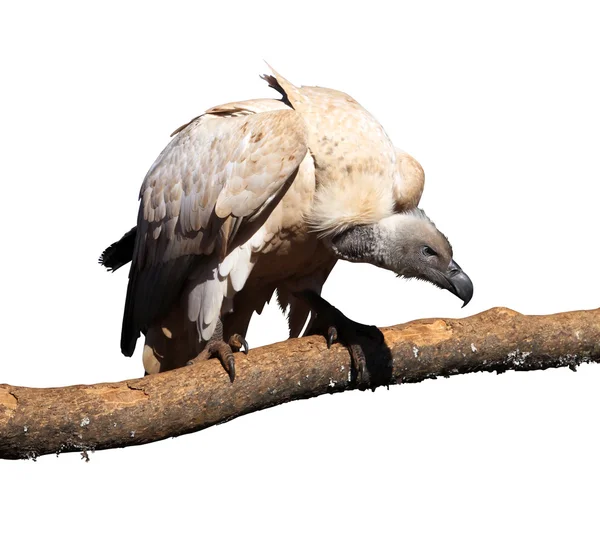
{"x": 214, "y": 168}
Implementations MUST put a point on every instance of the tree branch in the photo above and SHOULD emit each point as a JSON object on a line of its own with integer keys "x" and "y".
{"x": 35, "y": 421}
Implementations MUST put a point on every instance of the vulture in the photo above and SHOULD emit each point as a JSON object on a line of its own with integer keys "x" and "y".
{"x": 264, "y": 196}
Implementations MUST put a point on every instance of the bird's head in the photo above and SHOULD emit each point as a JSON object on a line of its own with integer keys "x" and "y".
{"x": 411, "y": 246}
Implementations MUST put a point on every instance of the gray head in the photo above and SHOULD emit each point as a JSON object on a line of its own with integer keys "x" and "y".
{"x": 411, "y": 246}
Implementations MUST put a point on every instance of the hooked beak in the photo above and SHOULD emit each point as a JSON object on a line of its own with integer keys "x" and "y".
{"x": 459, "y": 283}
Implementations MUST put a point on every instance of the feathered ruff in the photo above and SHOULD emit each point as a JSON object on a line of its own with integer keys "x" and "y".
{"x": 349, "y": 202}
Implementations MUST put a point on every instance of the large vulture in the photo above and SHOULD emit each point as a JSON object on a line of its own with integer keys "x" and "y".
{"x": 262, "y": 196}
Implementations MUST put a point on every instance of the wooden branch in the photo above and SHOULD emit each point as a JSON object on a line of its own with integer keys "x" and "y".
{"x": 35, "y": 422}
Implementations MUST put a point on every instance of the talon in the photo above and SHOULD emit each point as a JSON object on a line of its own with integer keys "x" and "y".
{"x": 359, "y": 361}
{"x": 332, "y": 336}
{"x": 244, "y": 344}
{"x": 239, "y": 342}
{"x": 231, "y": 368}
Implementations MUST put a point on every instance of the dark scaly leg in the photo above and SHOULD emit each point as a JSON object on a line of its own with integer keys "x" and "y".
{"x": 217, "y": 347}
{"x": 336, "y": 327}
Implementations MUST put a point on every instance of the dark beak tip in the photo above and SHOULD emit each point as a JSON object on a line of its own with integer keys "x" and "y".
{"x": 467, "y": 294}
{"x": 461, "y": 284}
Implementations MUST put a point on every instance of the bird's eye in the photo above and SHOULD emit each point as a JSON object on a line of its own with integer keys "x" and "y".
{"x": 428, "y": 251}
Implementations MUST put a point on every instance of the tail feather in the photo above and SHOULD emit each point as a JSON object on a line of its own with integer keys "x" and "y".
{"x": 119, "y": 253}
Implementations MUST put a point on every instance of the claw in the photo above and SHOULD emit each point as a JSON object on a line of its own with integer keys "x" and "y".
{"x": 359, "y": 361}
{"x": 239, "y": 342}
{"x": 219, "y": 350}
{"x": 231, "y": 368}
{"x": 332, "y": 336}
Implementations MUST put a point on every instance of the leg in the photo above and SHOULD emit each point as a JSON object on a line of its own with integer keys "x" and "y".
{"x": 336, "y": 327}
{"x": 217, "y": 347}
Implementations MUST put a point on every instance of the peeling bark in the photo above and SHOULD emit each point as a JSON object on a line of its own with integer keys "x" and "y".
{"x": 35, "y": 422}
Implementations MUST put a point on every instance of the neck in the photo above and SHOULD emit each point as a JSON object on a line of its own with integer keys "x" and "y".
{"x": 359, "y": 244}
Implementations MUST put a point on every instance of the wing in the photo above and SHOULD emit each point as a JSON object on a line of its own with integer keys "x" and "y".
{"x": 249, "y": 106}
{"x": 239, "y": 108}
{"x": 216, "y": 176}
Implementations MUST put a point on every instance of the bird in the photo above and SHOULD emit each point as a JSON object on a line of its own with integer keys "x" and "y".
{"x": 261, "y": 197}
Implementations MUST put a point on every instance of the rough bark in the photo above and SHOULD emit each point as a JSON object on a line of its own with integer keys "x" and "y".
{"x": 35, "y": 422}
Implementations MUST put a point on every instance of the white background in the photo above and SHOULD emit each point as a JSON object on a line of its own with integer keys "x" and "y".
{"x": 500, "y": 105}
